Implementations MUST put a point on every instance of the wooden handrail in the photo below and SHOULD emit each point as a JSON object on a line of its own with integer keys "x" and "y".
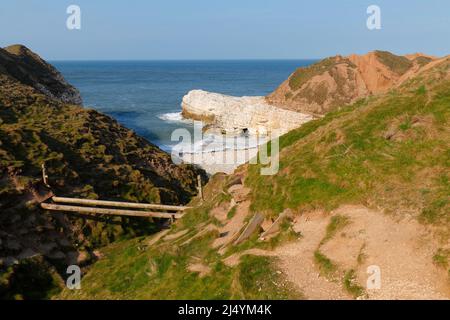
{"x": 114, "y": 212}
{"x": 119, "y": 204}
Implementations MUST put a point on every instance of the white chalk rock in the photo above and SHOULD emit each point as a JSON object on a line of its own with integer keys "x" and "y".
{"x": 234, "y": 114}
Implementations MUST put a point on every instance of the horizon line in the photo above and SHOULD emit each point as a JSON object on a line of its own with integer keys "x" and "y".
{"x": 175, "y": 60}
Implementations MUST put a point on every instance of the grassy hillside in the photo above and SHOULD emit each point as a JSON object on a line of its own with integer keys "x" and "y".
{"x": 389, "y": 152}
{"x": 25, "y": 66}
{"x": 87, "y": 154}
{"x": 153, "y": 268}
{"x": 303, "y": 75}
{"x": 334, "y": 82}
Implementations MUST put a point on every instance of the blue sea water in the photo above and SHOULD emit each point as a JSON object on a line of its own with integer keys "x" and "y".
{"x": 146, "y": 95}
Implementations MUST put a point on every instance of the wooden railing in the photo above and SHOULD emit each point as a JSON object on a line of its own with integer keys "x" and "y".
{"x": 119, "y": 204}
{"x": 88, "y": 206}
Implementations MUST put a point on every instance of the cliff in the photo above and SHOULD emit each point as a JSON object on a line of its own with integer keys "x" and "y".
{"x": 23, "y": 65}
{"x": 240, "y": 114}
{"x": 311, "y": 91}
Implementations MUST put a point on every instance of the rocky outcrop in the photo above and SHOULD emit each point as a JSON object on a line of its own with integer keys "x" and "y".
{"x": 25, "y": 66}
{"x": 311, "y": 91}
{"x": 337, "y": 81}
{"x": 240, "y": 114}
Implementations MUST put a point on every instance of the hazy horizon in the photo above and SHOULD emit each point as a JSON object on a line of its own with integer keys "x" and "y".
{"x": 232, "y": 30}
{"x": 182, "y": 60}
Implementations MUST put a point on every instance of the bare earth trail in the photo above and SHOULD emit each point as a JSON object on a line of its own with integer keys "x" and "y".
{"x": 402, "y": 249}
{"x": 297, "y": 260}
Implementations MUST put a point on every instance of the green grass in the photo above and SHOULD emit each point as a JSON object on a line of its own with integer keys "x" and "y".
{"x": 87, "y": 155}
{"x": 161, "y": 273}
{"x": 30, "y": 279}
{"x": 129, "y": 273}
{"x": 318, "y": 170}
{"x": 131, "y": 269}
{"x": 326, "y": 267}
{"x": 442, "y": 258}
{"x": 337, "y": 223}
{"x": 259, "y": 281}
{"x": 231, "y": 213}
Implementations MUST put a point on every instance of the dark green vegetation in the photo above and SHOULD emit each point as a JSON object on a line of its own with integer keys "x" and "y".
{"x": 231, "y": 213}
{"x": 32, "y": 278}
{"x": 337, "y": 223}
{"x": 421, "y": 60}
{"x": 326, "y": 267}
{"x": 303, "y": 75}
{"x": 87, "y": 154}
{"x": 351, "y": 285}
{"x": 23, "y": 65}
{"x": 442, "y": 258}
{"x": 391, "y": 151}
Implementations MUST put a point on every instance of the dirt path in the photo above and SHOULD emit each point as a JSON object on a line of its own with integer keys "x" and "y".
{"x": 403, "y": 251}
{"x": 297, "y": 260}
{"x": 234, "y": 225}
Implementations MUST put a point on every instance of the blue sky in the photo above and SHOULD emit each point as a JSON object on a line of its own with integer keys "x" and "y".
{"x": 227, "y": 29}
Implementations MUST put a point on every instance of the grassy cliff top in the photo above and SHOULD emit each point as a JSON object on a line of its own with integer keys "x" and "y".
{"x": 392, "y": 150}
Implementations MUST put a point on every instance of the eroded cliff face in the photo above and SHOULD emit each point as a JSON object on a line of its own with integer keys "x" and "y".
{"x": 240, "y": 114}
{"x": 337, "y": 81}
{"x": 309, "y": 92}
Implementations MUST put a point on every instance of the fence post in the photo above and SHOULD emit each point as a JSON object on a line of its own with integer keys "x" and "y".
{"x": 199, "y": 187}
{"x": 45, "y": 176}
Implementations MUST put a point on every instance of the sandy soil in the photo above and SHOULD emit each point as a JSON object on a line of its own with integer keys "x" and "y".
{"x": 230, "y": 230}
{"x": 297, "y": 260}
{"x": 403, "y": 251}
{"x": 401, "y": 248}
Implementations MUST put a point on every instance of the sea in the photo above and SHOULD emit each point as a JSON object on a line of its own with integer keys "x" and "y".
{"x": 146, "y": 95}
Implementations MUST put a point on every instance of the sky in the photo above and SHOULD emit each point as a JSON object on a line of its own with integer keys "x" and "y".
{"x": 227, "y": 29}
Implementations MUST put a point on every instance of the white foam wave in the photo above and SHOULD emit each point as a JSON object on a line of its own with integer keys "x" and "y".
{"x": 216, "y": 143}
{"x": 173, "y": 117}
